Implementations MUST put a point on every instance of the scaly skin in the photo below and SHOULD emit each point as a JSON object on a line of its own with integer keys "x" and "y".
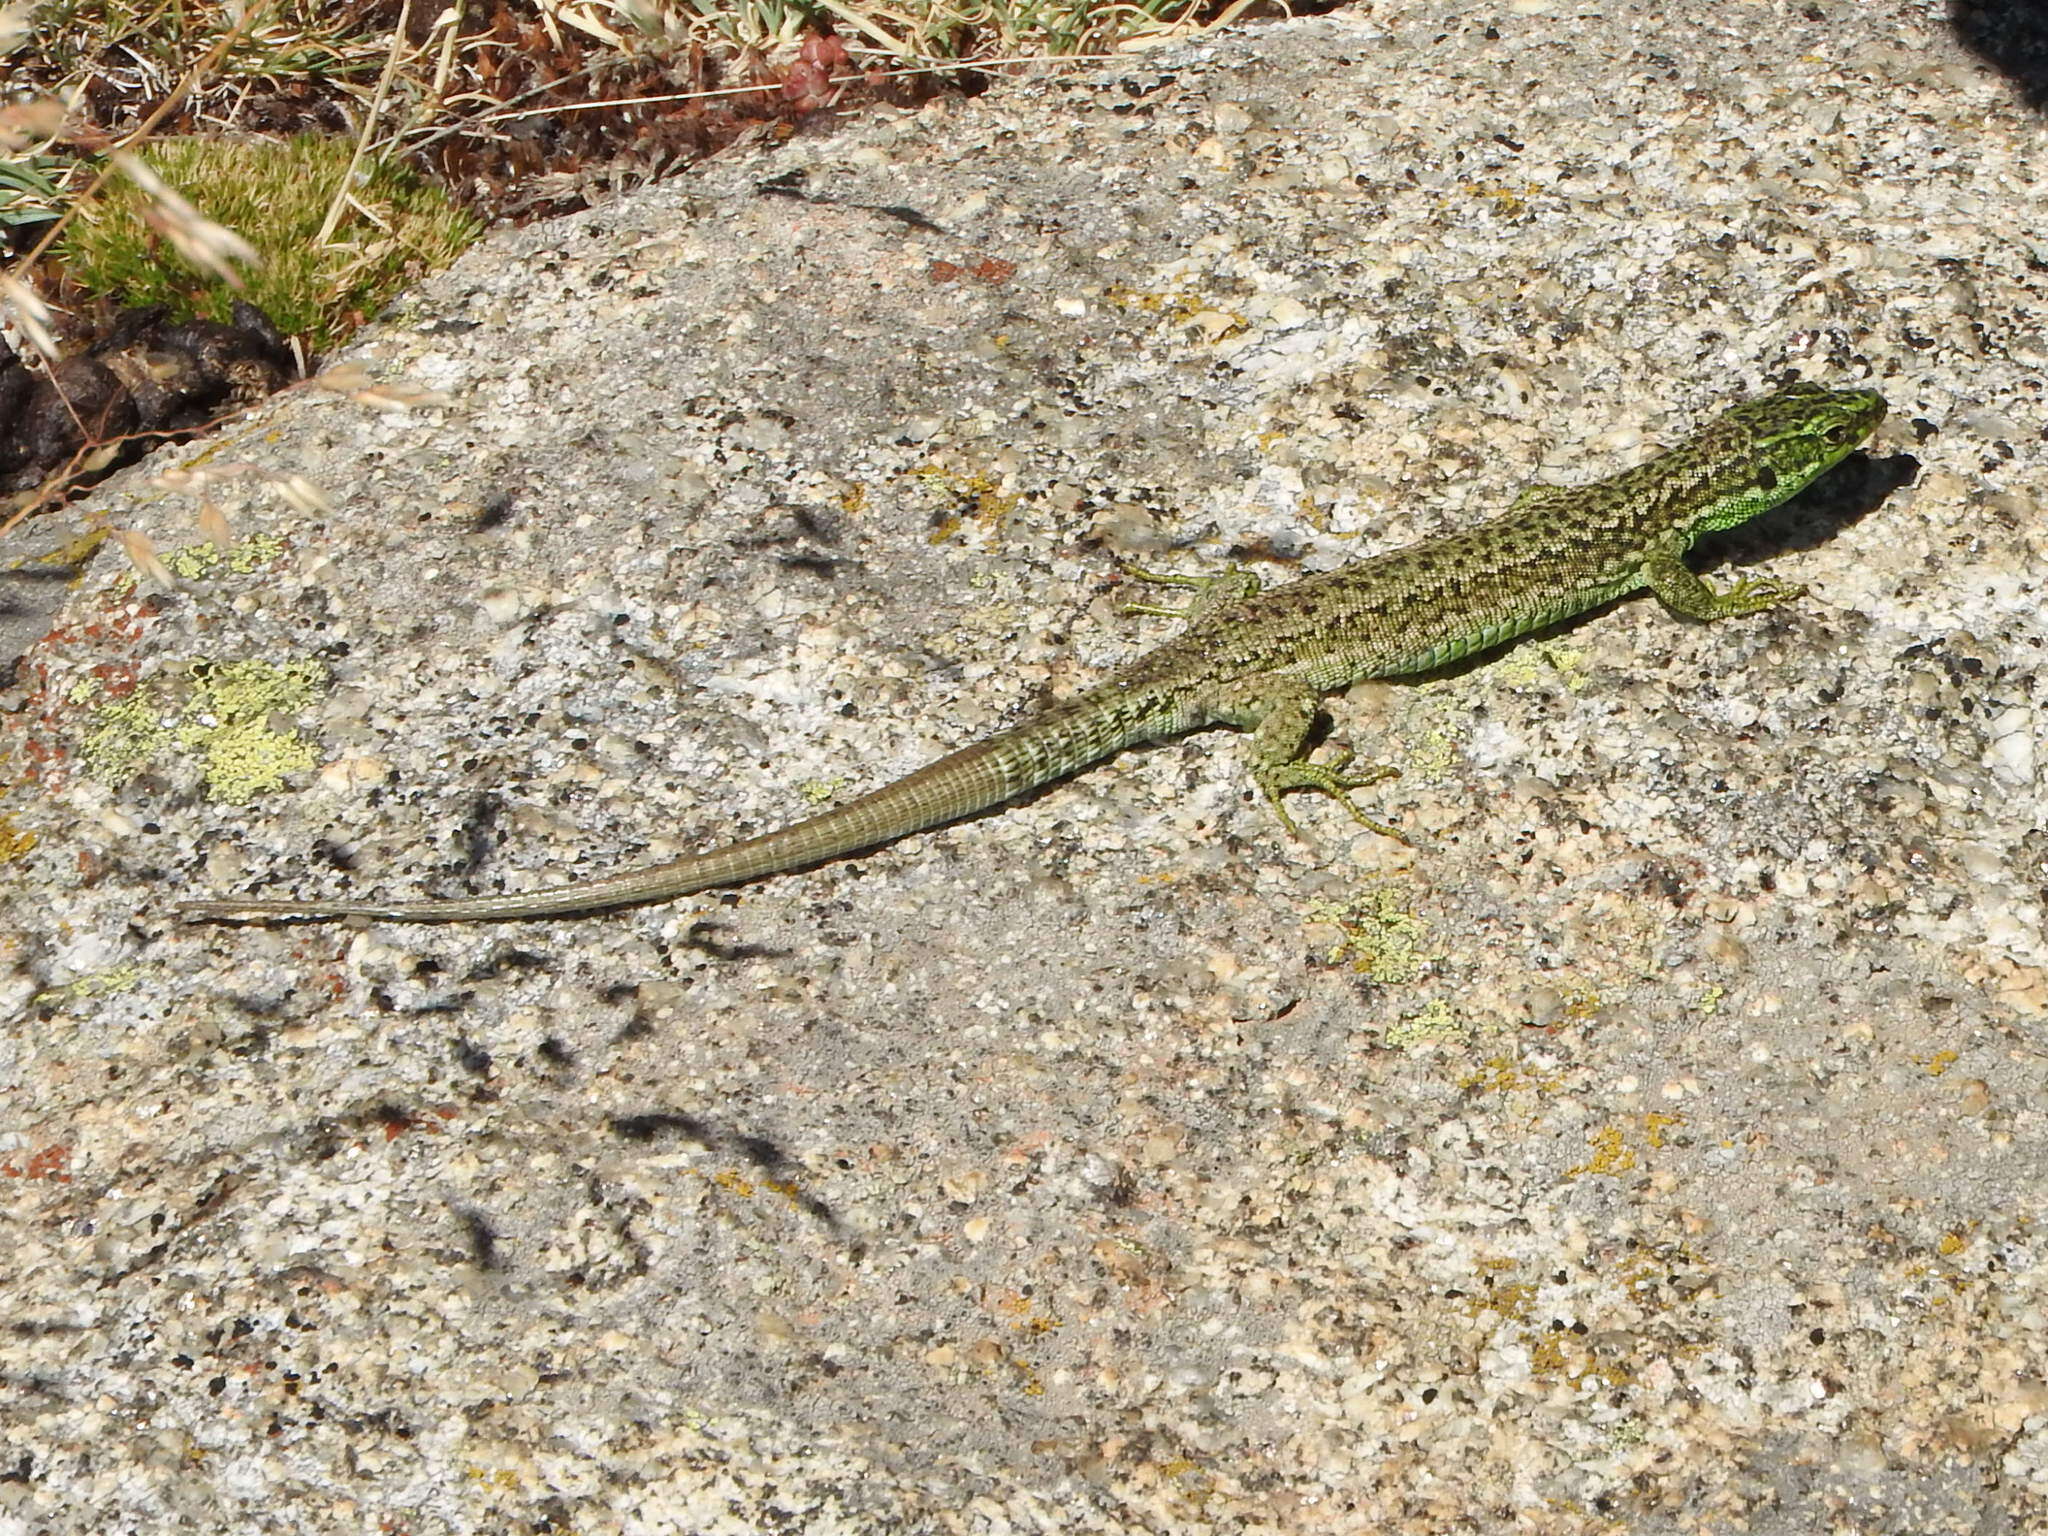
{"x": 1260, "y": 661}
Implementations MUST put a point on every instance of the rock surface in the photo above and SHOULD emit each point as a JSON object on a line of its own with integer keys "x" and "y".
{"x": 1657, "y": 1146}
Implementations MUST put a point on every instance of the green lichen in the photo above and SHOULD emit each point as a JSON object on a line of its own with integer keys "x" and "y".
{"x": 1433, "y": 724}
{"x": 125, "y": 733}
{"x": 1543, "y": 661}
{"x": 1381, "y": 938}
{"x": 122, "y": 978}
{"x": 228, "y": 723}
{"x": 228, "y": 717}
{"x": 242, "y": 558}
{"x": 1435, "y": 1021}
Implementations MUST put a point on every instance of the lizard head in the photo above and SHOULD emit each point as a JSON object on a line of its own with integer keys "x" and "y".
{"x": 1779, "y": 443}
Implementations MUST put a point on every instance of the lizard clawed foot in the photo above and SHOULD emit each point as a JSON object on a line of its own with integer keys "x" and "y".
{"x": 1234, "y": 584}
{"x": 1274, "y": 779}
{"x": 1753, "y": 594}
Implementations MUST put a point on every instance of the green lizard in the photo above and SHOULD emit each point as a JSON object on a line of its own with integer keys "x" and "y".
{"x": 1260, "y": 661}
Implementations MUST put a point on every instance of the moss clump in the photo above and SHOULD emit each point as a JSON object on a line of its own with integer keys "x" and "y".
{"x": 275, "y": 196}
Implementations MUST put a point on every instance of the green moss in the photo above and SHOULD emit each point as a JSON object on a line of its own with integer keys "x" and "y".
{"x": 227, "y": 718}
{"x": 275, "y": 196}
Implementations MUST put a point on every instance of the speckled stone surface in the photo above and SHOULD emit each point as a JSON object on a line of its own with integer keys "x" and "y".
{"x": 1657, "y": 1146}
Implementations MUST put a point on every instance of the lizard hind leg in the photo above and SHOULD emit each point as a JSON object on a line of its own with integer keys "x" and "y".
{"x": 1233, "y": 585}
{"x": 1280, "y": 722}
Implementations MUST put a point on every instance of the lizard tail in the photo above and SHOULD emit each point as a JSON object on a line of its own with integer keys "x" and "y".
{"x": 1049, "y": 746}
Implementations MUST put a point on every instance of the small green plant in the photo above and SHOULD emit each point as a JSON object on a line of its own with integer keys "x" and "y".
{"x": 28, "y": 194}
{"x": 276, "y": 197}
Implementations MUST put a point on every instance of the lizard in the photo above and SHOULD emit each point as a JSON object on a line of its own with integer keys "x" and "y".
{"x": 1261, "y": 660}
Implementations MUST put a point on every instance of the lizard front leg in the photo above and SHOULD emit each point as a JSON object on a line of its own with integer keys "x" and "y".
{"x": 1234, "y": 585}
{"x": 1683, "y": 590}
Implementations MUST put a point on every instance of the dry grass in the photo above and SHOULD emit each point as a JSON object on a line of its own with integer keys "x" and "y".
{"x": 514, "y": 108}
{"x": 489, "y": 95}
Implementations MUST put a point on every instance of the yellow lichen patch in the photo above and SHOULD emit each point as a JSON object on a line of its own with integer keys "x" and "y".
{"x": 14, "y": 842}
{"x": 1509, "y": 1301}
{"x": 1379, "y": 936}
{"x": 1647, "y": 1275}
{"x": 1611, "y": 1154}
{"x": 1655, "y": 1125}
{"x": 74, "y": 554}
{"x": 1509, "y": 204}
{"x": 1503, "y": 1074}
{"x": 979, "y": 496}
{"x": 1022, "y": 1312}
{"x": 1580, "y": 1004}
{"x": 1611, "y": 1151}
{"x": 1148, "y": 302}
{"x": 229, "y": 722}
{"x": 229, "y": 717}
{"x": 1179, "y": 309}
{"x": 1550, "y": 1359}
{"x": 242, "y": 558}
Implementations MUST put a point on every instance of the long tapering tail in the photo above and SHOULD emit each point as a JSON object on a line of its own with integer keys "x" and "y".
{"x": 1048, "y": 746}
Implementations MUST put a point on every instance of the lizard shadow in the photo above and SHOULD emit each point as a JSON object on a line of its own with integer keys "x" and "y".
{"x": 785, "y": 1176}
{"x": 2009, "y": 35}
